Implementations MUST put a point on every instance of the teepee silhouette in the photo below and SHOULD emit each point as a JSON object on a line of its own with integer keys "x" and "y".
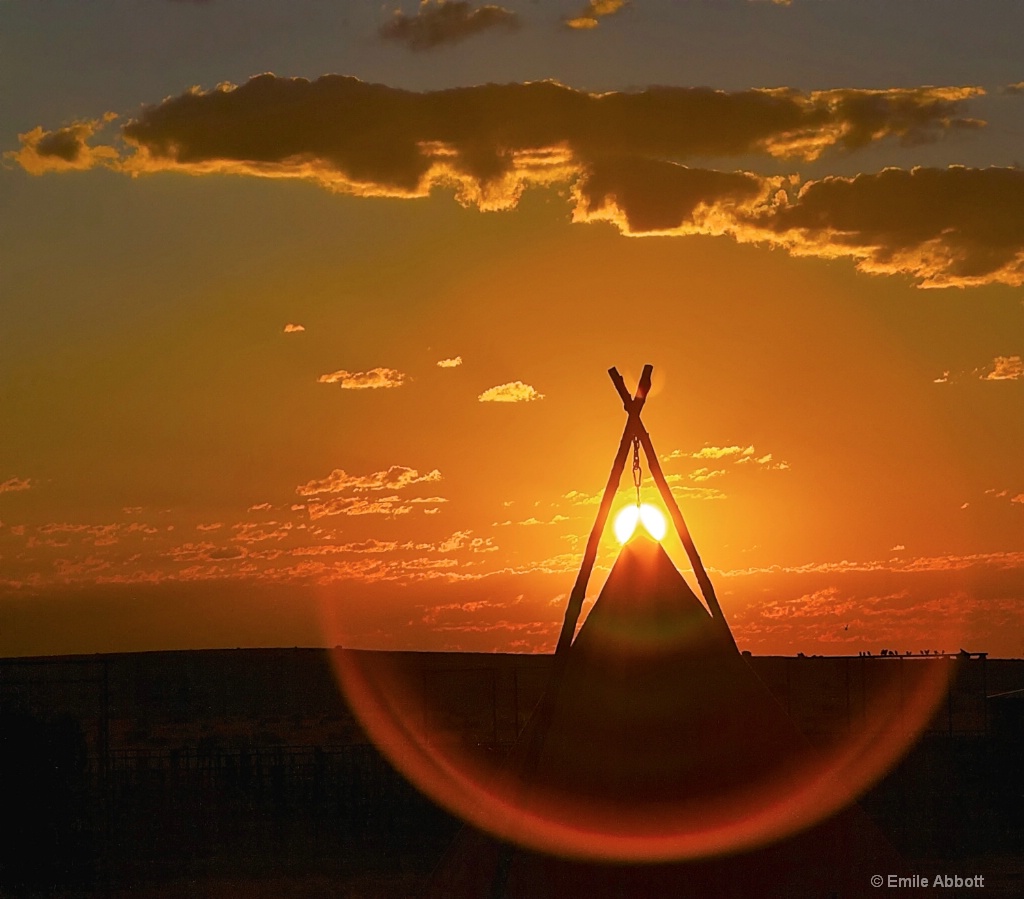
{"x": 653, "y": 724}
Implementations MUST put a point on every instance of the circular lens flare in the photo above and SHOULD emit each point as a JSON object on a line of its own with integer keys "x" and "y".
{"x": 394, "y": 703}
{"x": 647, "y": 515}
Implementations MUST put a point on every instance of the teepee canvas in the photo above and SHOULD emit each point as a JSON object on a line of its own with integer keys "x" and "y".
{"x": 654, "y": 706}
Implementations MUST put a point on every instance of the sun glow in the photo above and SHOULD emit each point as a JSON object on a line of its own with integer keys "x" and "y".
{"x": 647, "y": 515}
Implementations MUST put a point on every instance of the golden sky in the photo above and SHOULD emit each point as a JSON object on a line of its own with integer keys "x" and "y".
{"x": 307, "y": 315}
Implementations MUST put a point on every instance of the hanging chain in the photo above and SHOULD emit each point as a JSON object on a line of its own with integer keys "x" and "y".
{"x": 637, "y": 471}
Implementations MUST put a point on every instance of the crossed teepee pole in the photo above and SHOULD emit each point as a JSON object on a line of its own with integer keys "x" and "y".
{"x": 635, "y": 430}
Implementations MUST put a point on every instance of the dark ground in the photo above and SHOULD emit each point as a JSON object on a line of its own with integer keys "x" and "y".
{"x": 243, "y": 773}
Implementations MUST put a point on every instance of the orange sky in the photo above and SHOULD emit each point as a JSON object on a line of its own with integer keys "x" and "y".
{"x": 323, "y": 361}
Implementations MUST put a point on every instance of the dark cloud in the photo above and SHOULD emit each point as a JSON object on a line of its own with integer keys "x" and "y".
{"x": 490, "y": 142}
{"x": 64, "y": 149}
{"x": 377, "y": 134}
{"x": 445, "y": 22}
{"x": 620, "y": 155}
{"x": 946, "y": 227}
{"x": 655, "y": 196}
{"x": 952, "y": 227}
{"x": 66, "y": 144}
{"x": 910, "y": 115}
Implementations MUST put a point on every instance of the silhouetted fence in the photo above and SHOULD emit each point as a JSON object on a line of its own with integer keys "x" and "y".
{"x": 339, "y": 779}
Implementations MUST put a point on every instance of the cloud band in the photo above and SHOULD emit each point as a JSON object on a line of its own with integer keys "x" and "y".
{"x": 621, "y": 154}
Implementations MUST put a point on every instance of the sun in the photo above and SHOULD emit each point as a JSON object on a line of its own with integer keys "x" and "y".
{"x": 647, "y": 515}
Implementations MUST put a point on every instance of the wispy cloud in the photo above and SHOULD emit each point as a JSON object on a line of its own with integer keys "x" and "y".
{"x": 1001, "y": 368}
{"x": 357, "y": 505}
{"x": 532, "y": 520}
{"x": 189, "y": 553}
{"x": 250, "y": 532}
{"x": 1010, "y": 560}
{"x": 595, "y": 10}
{"x": 1005, "y": 368}
{"x": 716, "y": 452}
{"x": 706, "y": 474}
{"x": 373, "y": 379}
{"x": 61, "y": 533}
{"x": 733, "y": 454}
{"x": 512, "y": 392}
{"x": 697, "y": 492}
{"x": 445, "y": 22}
{"x": 394, "y": 478}
{"x": 293, "y": 328}
{"x": 901, "y": 597}
{"x": 364, "y": 546}
{"x": 389, "y": 506}
{"x": 453, "y": 362}
{"x": 15, "y": 485}
{"x": 327, "y": 494}
{"x": 765, "y": 461}
{"x": 460, "y": 541}
{"x": 579, "y": 498}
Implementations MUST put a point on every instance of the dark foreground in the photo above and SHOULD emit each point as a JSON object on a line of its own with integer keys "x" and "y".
{"x": 243, "y": 773}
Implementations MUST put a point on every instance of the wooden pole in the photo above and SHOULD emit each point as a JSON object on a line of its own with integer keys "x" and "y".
{"x": 632, "y": 405}
{"x": 704, "y": 582}
{"x": 540, "y": 721}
